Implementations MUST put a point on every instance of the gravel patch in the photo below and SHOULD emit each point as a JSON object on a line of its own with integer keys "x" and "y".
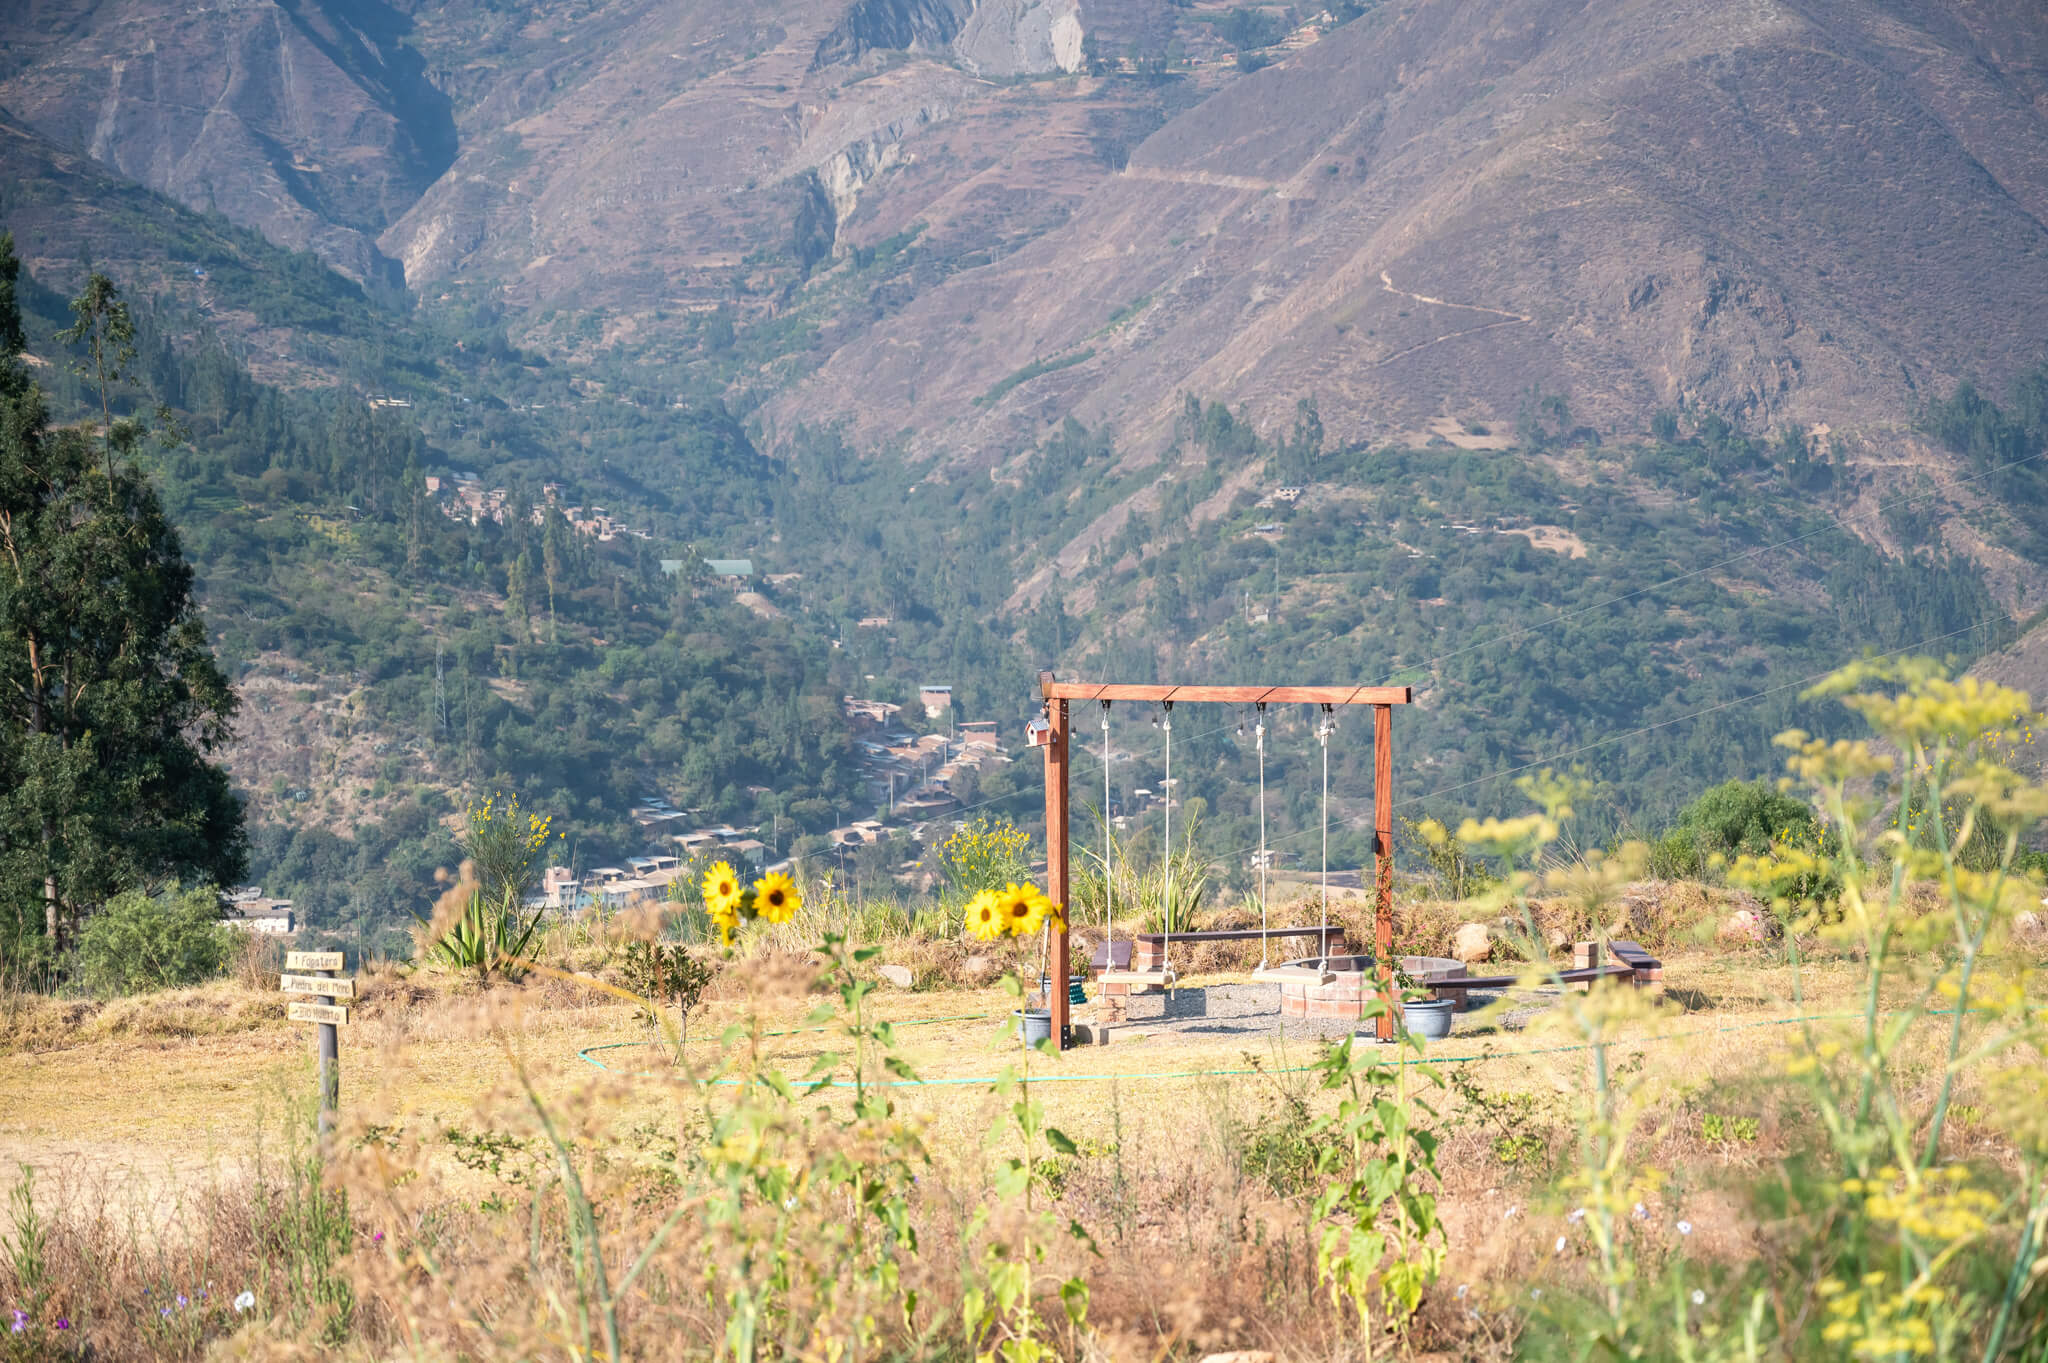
{"x": 1252, "y": 1011}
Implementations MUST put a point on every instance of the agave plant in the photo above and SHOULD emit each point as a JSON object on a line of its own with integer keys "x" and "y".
{"x": 1159, "y": 898}
{"x": 475, "y": 931}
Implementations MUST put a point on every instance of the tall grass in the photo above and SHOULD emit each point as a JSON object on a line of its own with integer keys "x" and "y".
{"x": 1888, "y": 1237}
{"x": 93, "y": 1268}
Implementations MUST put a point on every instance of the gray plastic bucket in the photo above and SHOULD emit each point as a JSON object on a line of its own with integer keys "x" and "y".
{"x": 1037, "y": 1025}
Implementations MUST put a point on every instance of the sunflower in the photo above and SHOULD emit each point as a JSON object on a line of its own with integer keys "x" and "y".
{"x": 776, "y": 897}
{"x": 983, "y": 918}
{"x": 721, "y": 890}
{"x": 1022, "y": 908}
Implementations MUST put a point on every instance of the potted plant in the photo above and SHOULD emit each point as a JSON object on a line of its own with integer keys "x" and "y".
{"x": 1422, "y": 1015}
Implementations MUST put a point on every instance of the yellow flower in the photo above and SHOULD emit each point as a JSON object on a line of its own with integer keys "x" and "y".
{"x": 984, "y": 918}
{"x": 727, "y": 918}
{"x": 721, "y": 889}
{"x": 776, "y": 897}
{"x": 1022, "y": 909}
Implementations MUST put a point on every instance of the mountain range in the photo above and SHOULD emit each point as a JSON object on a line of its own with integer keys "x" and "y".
{"x": 1803, "y": 211}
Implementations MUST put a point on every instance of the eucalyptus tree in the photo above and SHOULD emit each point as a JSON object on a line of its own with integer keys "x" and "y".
{"x": 112, "y": 705}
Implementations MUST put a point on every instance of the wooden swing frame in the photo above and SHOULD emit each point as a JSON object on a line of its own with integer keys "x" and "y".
{"x": 1054, "y": 738}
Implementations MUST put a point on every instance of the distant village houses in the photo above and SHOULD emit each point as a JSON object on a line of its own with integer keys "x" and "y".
{"x": 248, "y": 910}
{"x": 463, "y": 497}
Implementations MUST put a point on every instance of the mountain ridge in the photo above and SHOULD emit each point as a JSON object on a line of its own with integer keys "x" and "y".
{"x": 1680, "y": 304}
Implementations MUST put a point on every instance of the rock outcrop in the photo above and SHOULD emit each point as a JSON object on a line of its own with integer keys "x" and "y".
{"x": 1021, "y": 38}
{"x": 1472, "y": 943}
{"x": 891, "y": 26}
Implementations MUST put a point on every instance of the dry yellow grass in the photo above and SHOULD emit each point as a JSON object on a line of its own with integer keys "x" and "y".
{"x": 154, "y": 1106}
{"x": 180, "y": 1081}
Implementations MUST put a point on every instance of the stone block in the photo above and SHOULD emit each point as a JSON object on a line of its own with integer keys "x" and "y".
{"x": 1472, "y": 943}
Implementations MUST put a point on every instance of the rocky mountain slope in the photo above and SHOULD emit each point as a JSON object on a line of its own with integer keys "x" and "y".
{"x": 1786, "y": 211}
{"x": 309, "y": 120}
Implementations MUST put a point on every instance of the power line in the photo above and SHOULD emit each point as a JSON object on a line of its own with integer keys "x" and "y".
{"x": 1835, "y": 521}
{"x": 1779, "y": 689}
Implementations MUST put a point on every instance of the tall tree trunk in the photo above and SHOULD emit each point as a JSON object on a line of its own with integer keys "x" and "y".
{"x": 39, "y": 723}
{"x": 51, "y": 920}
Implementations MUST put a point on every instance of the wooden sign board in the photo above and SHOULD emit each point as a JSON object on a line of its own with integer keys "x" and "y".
{"x": 317, "y": 1012}
{"x": 312, "y": 960}
{"x": 317, "y": 984}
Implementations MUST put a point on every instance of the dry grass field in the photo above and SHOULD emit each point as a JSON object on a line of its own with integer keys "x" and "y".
{"x": 148, "y": 1119}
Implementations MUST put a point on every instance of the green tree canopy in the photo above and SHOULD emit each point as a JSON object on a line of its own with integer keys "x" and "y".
{"x": 110, "y": 699}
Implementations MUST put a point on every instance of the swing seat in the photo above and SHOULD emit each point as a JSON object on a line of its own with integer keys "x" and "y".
{"x": 1155, "y": 979}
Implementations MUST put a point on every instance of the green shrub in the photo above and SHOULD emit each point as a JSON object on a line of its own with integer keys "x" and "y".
{"x": 140, "y": 942}
{"x": 26, "y": 961}
{"x": 987, "y": 854}
{"x": 501, "y": 841}
{"x": 1719, "y": 1126}
{"x": 666, "y": 975}
{"x": 1732, "y": 819}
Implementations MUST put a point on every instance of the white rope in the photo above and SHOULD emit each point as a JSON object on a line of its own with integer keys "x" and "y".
{"x": 1260, "y": 736}
{"x": 1108, "y": 922}
{"x": 1166, "y": 891}
{"x": 1323, "y": 737}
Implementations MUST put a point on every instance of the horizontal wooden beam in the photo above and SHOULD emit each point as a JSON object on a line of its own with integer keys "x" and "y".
{"x": 1232, "y": 695}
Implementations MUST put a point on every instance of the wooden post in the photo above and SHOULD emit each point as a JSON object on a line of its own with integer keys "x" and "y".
{"x": 330, "y": 1075}
{"x": 1056, "y": 883}
{"x": 1383, "y": 861}
{"x": 330, "y": 1014}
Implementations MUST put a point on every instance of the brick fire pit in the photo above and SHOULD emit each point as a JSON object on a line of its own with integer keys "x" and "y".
{"x": 1303, "y": 992}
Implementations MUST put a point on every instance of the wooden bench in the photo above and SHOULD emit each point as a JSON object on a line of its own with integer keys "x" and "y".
{"x": 1122, "y": 947}
{"x": 1152, "y": 946}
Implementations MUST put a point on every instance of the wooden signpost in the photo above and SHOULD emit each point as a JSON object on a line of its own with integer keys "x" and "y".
{"x": 318, "y": 984}
{"x": 325, "y": 1009}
